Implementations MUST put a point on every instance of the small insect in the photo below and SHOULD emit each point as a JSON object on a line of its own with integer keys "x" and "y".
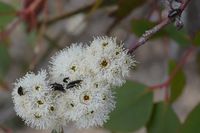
{"x": 58, "y": 87}
{"x": 175, "y": 9}
{"x": 20, "y": 91}
{"x": 73, "y": 84}
{"x": 173, "y": 13}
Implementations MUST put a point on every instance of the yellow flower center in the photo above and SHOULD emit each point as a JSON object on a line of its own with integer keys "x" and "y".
{"x": 86, "y": 97}
{"x": 104, "y": 63}
{"x": 37, "y": 116}
{"x": 38, "y": 87}
{"x": 105, "y": 44}
{"x": 73, "y": 68}
{"x": 39, "y": 102}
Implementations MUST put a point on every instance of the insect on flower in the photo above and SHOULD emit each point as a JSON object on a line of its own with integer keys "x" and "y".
{"x": 73, "y": 84}
{"x": 20, "y": 91}
{"x": 58, "y": 87}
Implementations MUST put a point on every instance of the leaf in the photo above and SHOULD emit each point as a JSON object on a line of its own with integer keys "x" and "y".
{"x": 163, "y": 120}
{"x": 196, "y": 40}
{"x": 178, "y": 82}
{"x": 7, "y": 14}
{"x": 139, "y": 26}
{"x": 191, "y": 125}
{"x": 4, "y": 60}
{"x": 133, "y": 109}
{"x": 179, "y": 36}
{"x": 126, "y": 6}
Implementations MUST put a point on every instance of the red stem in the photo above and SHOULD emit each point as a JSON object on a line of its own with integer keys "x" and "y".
{"x": 175, "y": 71}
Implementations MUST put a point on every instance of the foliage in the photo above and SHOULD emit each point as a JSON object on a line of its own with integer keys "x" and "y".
{"x": 178, "y": 82}
{"x": 133, "y": 109}
{"x": 135, "y": 106}
{"x": 7, "y": 14}
{"x": 191, "y": 124}
{"x": 4, "y": 60}
{"x": 163, "y": 120}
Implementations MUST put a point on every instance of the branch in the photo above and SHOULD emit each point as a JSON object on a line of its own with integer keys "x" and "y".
{"x": 64, "y": 15}
{"x": 175, "y": 71}
{"x": 149, "y": 33}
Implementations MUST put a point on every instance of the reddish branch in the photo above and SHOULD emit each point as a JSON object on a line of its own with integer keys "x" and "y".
{"x": 149, "y": 33}
{"x": 175, "y": 71}
{"x": 31, "y": 9}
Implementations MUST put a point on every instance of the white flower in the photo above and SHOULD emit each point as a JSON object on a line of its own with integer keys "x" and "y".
{"x": 96, "y": 117}
{"x": 80, "y": 87}
{"x": 76, "y": 103}
{"x": 33, "y": 101}
{"x": 68, "y": 63}
{"x": 109, "y": 60}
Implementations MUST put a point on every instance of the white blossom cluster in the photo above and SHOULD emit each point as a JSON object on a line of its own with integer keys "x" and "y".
{"x": 78, "y": 88}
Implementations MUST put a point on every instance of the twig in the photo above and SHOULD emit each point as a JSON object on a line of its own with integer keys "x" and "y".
{"x": 64, "y": 15}
{"x": 149, "y": 33}
{"x": 175, "y": 71}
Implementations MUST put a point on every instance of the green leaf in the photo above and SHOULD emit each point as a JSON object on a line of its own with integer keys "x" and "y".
{"x": 7, "y": 14}
{"x": 133, "y": 109}
{"x": 196, "y": 40}
{"x": 179, "y": 36}
{"x": 178, "y": 82}
{"x": 191, "y": 125}
{"x": 4, "y": 60}
{"x": 126, "y": 6}
{"x": 164, "y": 119}
{"x": 139, "y": 26}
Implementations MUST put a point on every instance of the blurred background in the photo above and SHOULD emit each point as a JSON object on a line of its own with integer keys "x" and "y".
{"x": 31, "y": 31}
